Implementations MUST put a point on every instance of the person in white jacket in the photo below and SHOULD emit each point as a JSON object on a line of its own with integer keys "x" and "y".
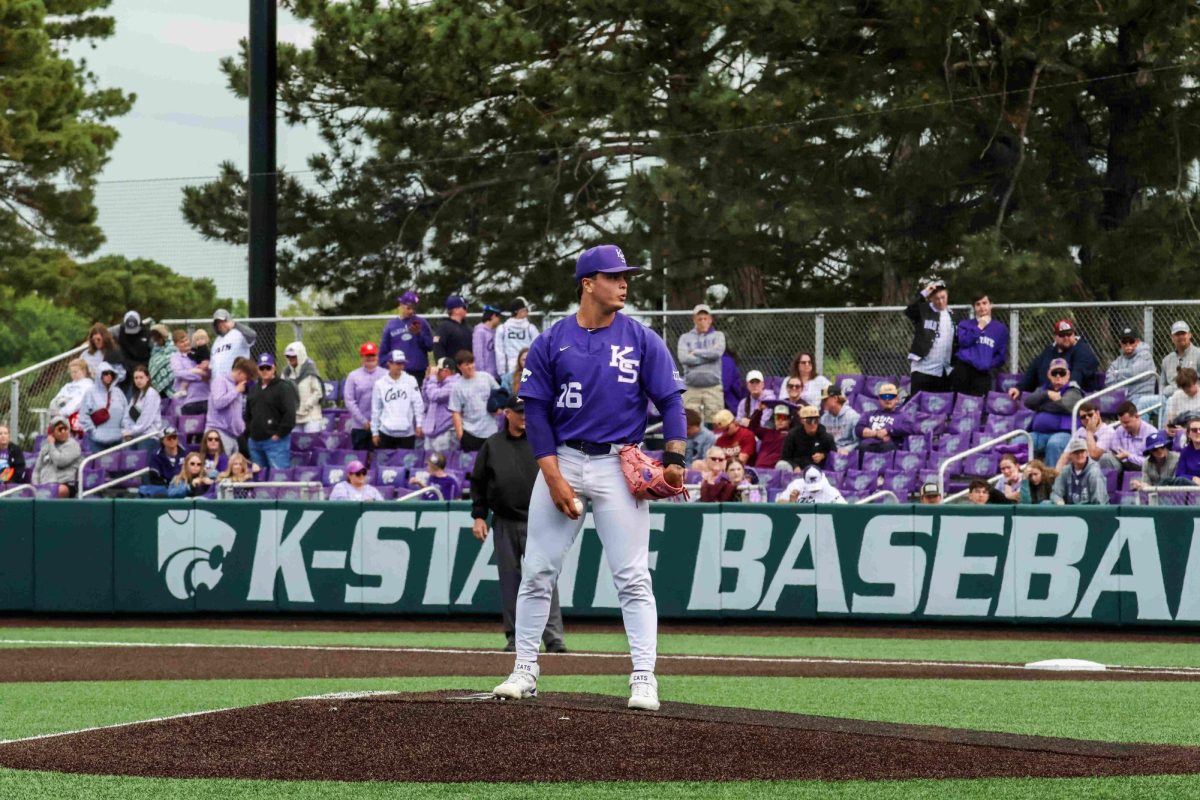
{"x": 812, "y": 488}
{"x": 70, "y": 397}
{"x": 143, "y": 415}
{"x": 301, "y": 371}
{"x": 396, "y": 407}
{"x": 514, "y": 334}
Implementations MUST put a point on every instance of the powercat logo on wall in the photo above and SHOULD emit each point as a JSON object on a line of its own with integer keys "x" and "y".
{"x": 192, "y": 544}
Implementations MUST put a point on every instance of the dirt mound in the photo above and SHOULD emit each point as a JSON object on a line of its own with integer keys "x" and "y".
{"x": 433, "y": 737}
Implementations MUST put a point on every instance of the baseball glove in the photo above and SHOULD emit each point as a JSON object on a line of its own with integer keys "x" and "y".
{"x": 645, "y": 477}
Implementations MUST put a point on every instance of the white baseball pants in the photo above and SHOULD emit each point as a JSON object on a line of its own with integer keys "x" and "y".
{"x": 623, "y": 524}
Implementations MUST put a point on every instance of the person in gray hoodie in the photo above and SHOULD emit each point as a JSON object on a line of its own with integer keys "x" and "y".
{"x": 103, "y": 409}
{"x": 58, "y": 460}
{"x": 1081, "y": 483}
{"x": 700, "y": 351}
{"x": 1135, "y": 357}
{"x": 301, "y": 372}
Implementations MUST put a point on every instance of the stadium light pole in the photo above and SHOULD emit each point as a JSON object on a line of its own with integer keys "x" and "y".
{"x": 263, "y": 200}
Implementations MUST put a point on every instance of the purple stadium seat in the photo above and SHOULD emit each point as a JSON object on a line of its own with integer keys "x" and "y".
{"x": 307, "y": 441}
{"x": 1109, "y": 403}
{"x": 934, "y": 402}
{"x": 951, "y": 443}
{"x": 908, "y": 461}
{"x": 190, "y": 427}
{"x": 1023, "y": 417}
{"x": 876, "y": 462}
{"x": 1127, "y": 479}
{"x": 1007, "y": 380}
{"x": 466, "y": 461}
{"x": 850, "y": 383}
{"x": 45, "y": 490}
{"x": 967, "y": 423}
{"x": 333, "y": 473}
{"x": 997, "y": 425}
{"x": 402, "y": 458}
{"x": 306, "y": 473}
{"x": 983, "y": 465}
{"x": 333, "y": 390}
{"x": 839, "y": 462}
{"x": 304, "y": 458}
{"x": 133, "y": 460}
{"x": 1112, "y": 478}
{"x": 899, "y": 481}
{"x": 773, "y": 382}
{"x": 857, "y": 480}
{"x": 1000, "y": 404}
{"x": 387, "y": 475}
{"x": 918, "y": 443}
{"x": 871, "y": 383}
{"x": 968, "y": 404}
{"x": 930, "y": 424}
{"x": 864, "y": 403}
{"x": 109, "y": 462}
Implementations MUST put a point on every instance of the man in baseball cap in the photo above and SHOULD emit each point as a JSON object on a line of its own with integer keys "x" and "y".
{"x": 410, "y": 333}
{"x": 606, "y": 258}
{"x": 356, "y": 394}
{"x": 700, "y": 353}
{"x": 271, "y": 404}
{"x": 1184, "y": 354}
{"x": 453, "y": 333}
{"x": 1133, "y": 358}
{"x": 770, "y": 439}
{"x": 164, "y": 464}
{"x": 884, "y": 429}
{"x": 1052, "y": 404}
{"x": 809, "y": 444}
{"x": 1069, "y": 346}
{"x": 756, "y": 396}
{"x": 839, "y": 418}
{"x": 930, "y": 494}
{"x": 483, "y": 340}
{"x": 513, "y": 335}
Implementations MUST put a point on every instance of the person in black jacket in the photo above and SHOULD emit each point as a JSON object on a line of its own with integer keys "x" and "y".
{"x": 453, "y": 334}
{"x": 501, "y": 482}
{"x": 133, "y": 340}
{"x": 932, "y": 347}
{"x": 270, "y": 415}
{"x": 810, "y": 444}
{"x": 1067, "y": 345}
{"x": 12, "y": 460}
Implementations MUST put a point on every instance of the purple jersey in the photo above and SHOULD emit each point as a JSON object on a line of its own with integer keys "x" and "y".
{"x": 598, "y": 383}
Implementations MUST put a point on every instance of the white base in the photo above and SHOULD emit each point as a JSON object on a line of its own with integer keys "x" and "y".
{"x": 1067, "y": 664}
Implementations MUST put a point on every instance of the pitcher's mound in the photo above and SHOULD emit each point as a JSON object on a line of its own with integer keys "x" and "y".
{"x": 563, "y": 737}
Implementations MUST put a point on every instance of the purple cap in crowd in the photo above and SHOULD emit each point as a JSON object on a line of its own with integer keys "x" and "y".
{"x": 266, "y": 360}
{"x": 409, "y": 298}
{"x": 454, "y": 301}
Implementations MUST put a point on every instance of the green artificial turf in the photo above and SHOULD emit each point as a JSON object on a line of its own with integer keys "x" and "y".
{"x": 1016, "y": 651}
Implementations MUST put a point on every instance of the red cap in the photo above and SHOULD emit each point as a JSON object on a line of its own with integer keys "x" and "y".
{"x": 1064, "y": 326}
{"x": 368, "y": 349}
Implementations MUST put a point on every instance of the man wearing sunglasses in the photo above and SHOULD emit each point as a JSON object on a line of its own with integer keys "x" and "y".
{"x": 354, "y": 486}
{"x": 1052, "y": 404}
{"x": 1067, "y": 346}
{"x": 1189, "y": 455}
{"x": 883, "y": 430}
{"x": 1092, "y": 431}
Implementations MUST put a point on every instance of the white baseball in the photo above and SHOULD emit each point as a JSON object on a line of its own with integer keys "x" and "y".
{"x": 578, "y": 506}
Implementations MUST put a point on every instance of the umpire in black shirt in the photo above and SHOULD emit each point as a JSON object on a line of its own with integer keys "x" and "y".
{"x": 501, "y": 483}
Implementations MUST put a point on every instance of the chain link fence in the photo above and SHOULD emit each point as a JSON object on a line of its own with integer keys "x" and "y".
{"x": 869, "y": 341}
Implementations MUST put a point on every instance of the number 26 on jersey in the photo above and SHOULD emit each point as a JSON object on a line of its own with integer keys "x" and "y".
{"x": 570, "y": 395}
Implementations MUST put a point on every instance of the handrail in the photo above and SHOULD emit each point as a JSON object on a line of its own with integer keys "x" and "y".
{"x": 229, "y": 484}
{"x": 89, "y": 459}
{"x": 1149, "y": 373}
{"x": 877, "y": 495}
{"x": 41, "y": 364}
{"x": 18, "y": 489}
{"x": 418, "y": 492}
{"x": 979, "y": 448}
{"x": 116, "y": 481}
{"x": 1157, "y": 490}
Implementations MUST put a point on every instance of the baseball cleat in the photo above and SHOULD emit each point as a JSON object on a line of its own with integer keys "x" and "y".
{"x": 522, "y": 684}
{"x": 643, "y": 691}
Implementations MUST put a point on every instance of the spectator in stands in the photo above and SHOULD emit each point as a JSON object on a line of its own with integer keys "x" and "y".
{"x": 731, "y": 379}
{"x": 715, "y": 485}
{"x": 1159, "y": 467}
{"x": 69, "y": 399}
{"x": 839, "y": 419}
{"x": 191, "y": 388}
{"x": 396, "y": 407}
{"x": 1081, "y": 483}
{"x": 240, "y": 470}
{"x": 1130, "y": 434}
{"x": 354, "y": 486}
{"x": 982, "y": 493}
{"x": 227, "y": 402}
{"x": 301, "y": 372}
{"x": 473, "y": 424}
{"x": 933, "y": 339}
{"x": 811, "y": 487}
{"x": 143, "y": 415}
{"x": 435, "y": 474}
{"x": 1052, "y": 405}
{"x": 746, "y": 491}
{"x": 1185, "y": 354}
{"x": 793, "y": 392}
{"x": 1184, "y": 404}
{"x": 357, "y": 392}
{"x": 12, "y": 460}
{"x": 699, "y": 438}
{"x": 883, "y": 430}
{"x": 192, "y": 480}
{"x": 103, "y": 409}
{"x": 511, "y": 381}
{"x": 483, "y": 341}
{"x": 809, "y": 444}
{"x": 514, "y": 335}
{"x": 501, "y": 484}
{"x": 58, "y": 460}
{"x": 101, "y": 349}
{"x": 736, "y": 441}
{"x": 410, "y": 334}
{"x": 1039, "y": 482}
{"x": 1189, "y": 455}
{"x": 1135, "y": 357}
{"x": 165, "y": 463}
{"x": 440, "y": 436}
{"x": 1010, "y": 478}
{"x": 812, "y": 385}
{"x": 234, "y": 340}
{"x": 1093, "y": 431}
{"x": 980, "y": 349}
{"x": 1067, "y": 346}
{"x": 133, "y": 342}
{"x": 162, "y": 375}
{"x": 929, "y": 494}
{"x": 270, "y": 416}
{"x": 699, "y": 351}
{"x": 771, "y": 440}
{"x": 453, "y": 333}
{"x": 757, "y": 396}
{"x": 212, "y": 450}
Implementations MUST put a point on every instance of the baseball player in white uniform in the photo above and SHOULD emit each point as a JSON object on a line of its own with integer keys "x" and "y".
{"x": 586, "y": 384}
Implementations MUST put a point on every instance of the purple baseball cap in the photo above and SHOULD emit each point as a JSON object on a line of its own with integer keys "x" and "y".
{"x": 355, "y": 467}
{"x": 454, "y": 301}
{"x": 266, "y": 360}
{"x": 601, "y": 258}
{"x": 409, "y": 298}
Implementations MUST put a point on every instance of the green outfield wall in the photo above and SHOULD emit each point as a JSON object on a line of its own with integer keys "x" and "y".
{"x": 1112, "y": 565}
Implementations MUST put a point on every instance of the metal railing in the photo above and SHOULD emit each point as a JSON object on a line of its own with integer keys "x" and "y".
{"x": 21, "y": 487}
{"x": 979, "y": 448}
{"x": 89, "y": 459}
{"x": 418, "y": 492}
{"x": 1152, "y": 492}
{"x": 225, "y": 489}
{"x": 115, "y": 482}
{"x": 1141, "y": 376}
{"x": 14, "y": 382}
{"x": 882, "y": 493}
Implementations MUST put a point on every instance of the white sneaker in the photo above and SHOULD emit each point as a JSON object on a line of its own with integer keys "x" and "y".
{"x": 643, "y": 691}
{"x": 521, "y": 684}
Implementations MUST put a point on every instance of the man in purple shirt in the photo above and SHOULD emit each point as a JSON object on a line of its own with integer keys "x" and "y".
{"x": 1189, "y": 455}
{"x": 883, "y": 430}
{"x": 439, "y": 422}
{"x": 409, "y": 333}
{"x": 357, "y": 395}
{"x": 483, "y": 341}
{"x": 980, "y": 349}
{"x": 1128, "y": 444}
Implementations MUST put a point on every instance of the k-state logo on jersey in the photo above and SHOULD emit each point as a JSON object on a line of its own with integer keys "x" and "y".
{"x": 627, "y": 366}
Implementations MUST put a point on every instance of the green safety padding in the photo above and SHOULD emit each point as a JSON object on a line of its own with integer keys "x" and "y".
{"x": 73, "y": 555}
{"x": 16, "y": 554}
